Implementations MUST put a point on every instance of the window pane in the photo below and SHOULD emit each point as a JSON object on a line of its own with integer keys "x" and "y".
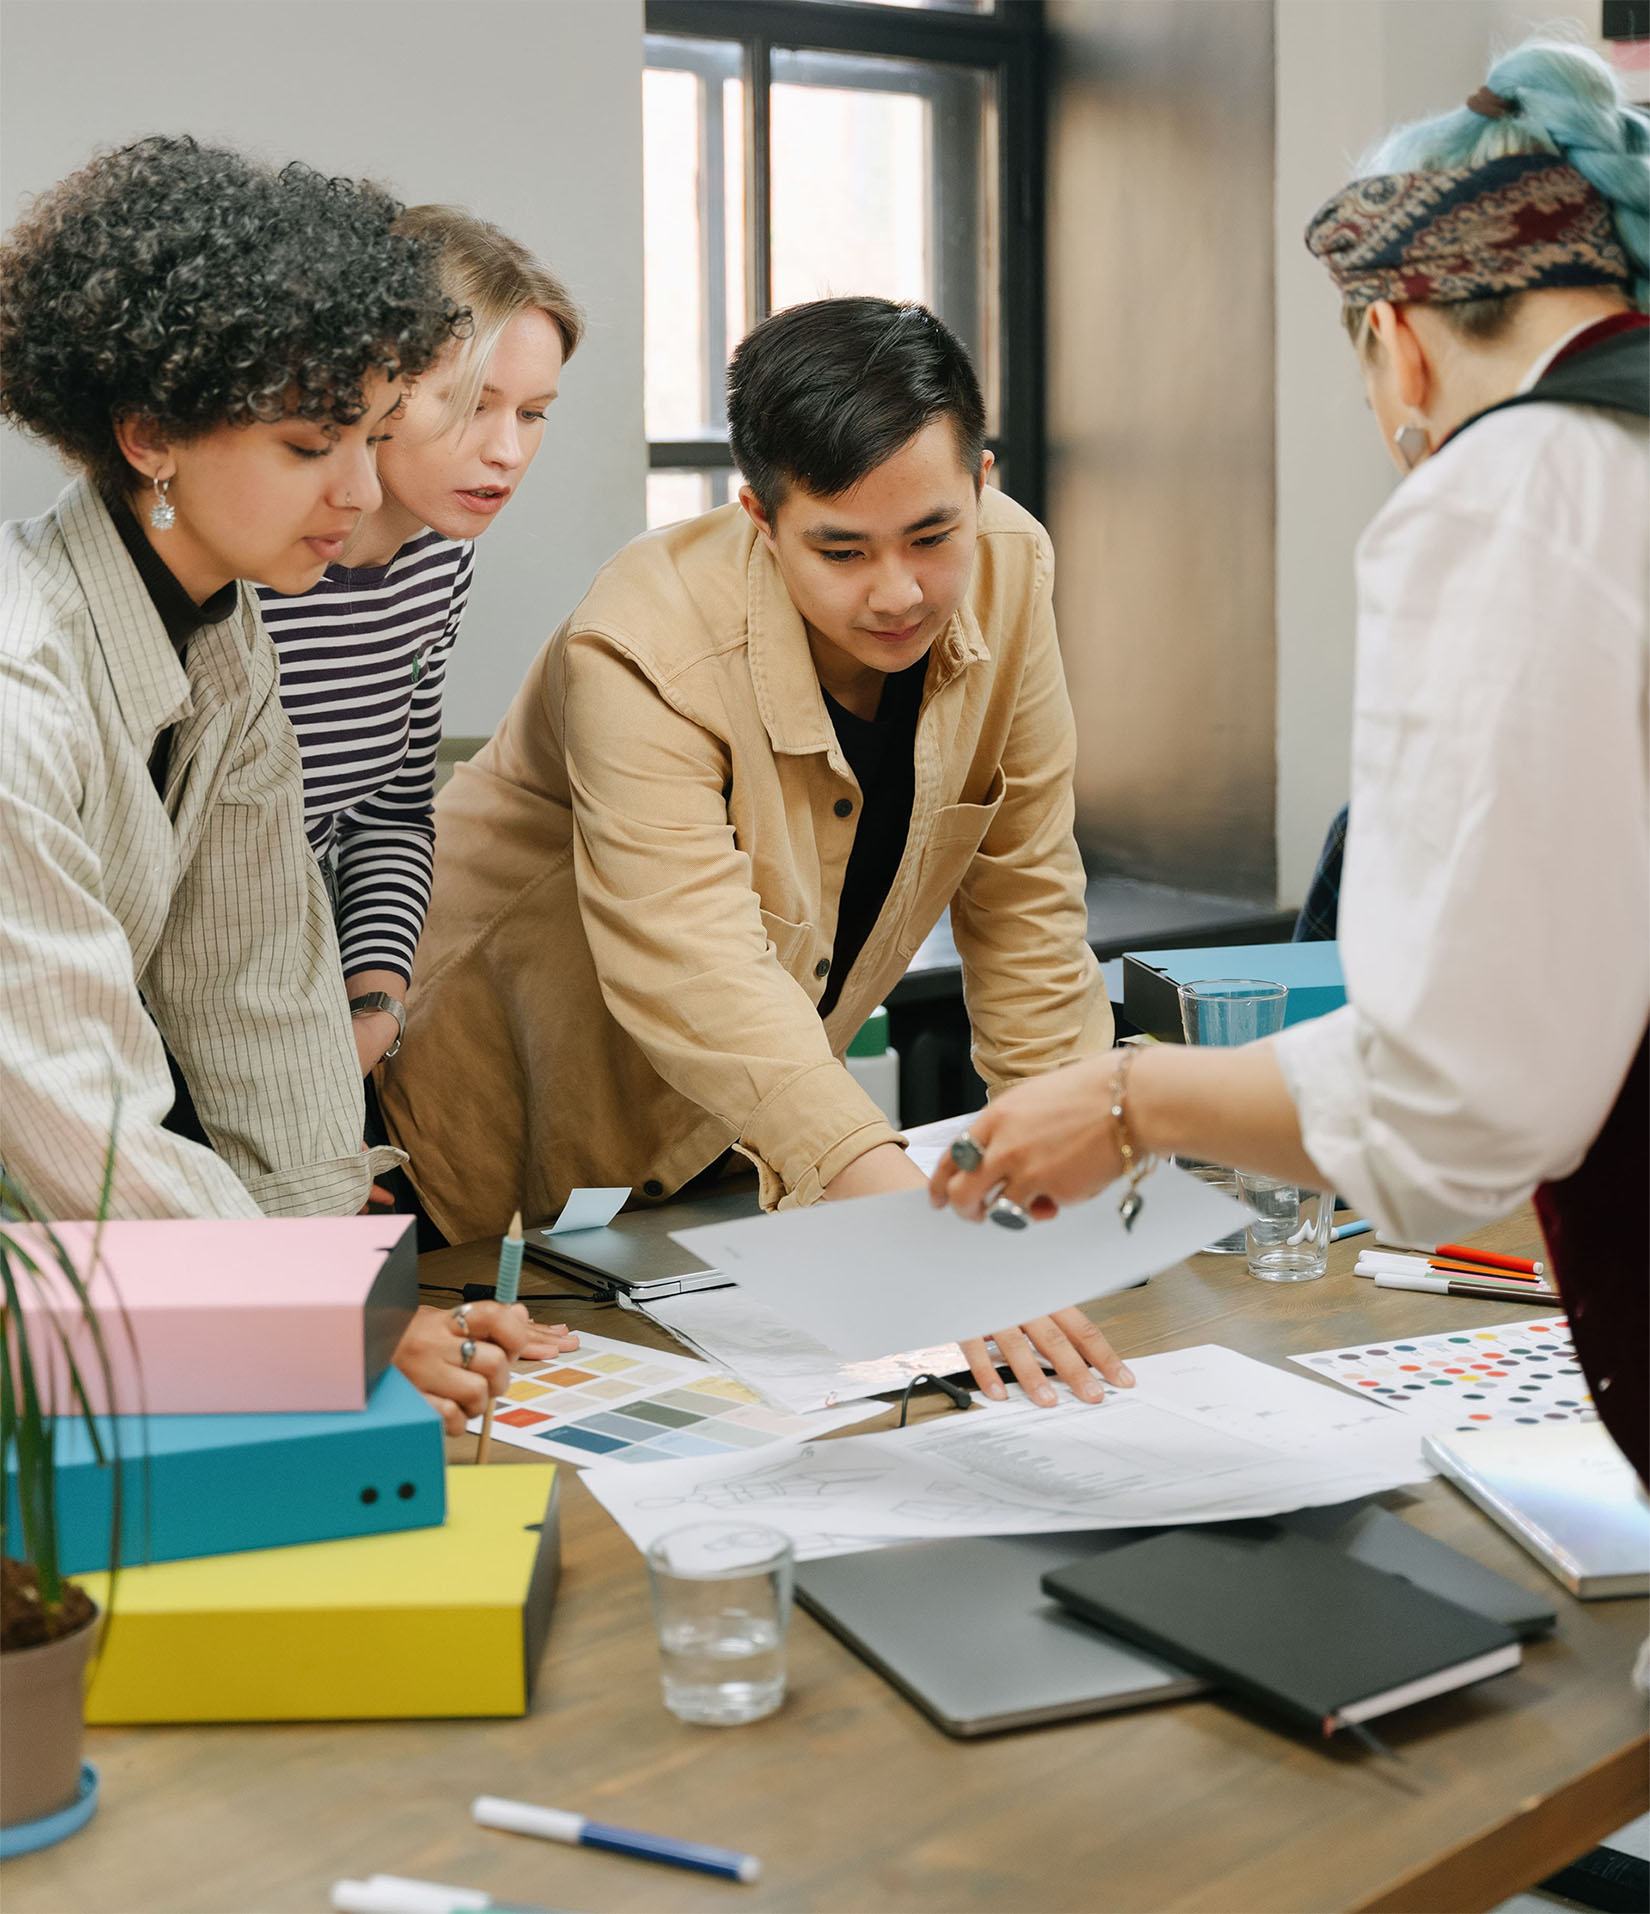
{"x": 885, "y": 181}
{"x": 693, "y": 166}
{"x": 685, "y": 494}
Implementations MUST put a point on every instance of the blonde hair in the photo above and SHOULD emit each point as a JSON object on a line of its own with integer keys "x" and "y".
{"x": 495, "y": 278}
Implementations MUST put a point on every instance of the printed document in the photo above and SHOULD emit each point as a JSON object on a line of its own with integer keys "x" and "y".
{"x": 1206, "y": 1435}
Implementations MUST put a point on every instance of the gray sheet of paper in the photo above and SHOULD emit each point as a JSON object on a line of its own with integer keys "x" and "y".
{"x": 881, "y": 1274}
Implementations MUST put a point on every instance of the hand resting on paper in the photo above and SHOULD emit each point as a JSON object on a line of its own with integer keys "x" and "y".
{"x": 429, "y": 1355}
{"x": 1067, "y": 1338}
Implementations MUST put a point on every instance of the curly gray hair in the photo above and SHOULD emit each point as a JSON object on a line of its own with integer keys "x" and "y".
{"x": 192, "y": 287}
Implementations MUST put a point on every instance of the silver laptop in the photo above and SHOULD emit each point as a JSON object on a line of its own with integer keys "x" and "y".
{"x": 634, "y": 1258}
{"x": 964, "y": 1630}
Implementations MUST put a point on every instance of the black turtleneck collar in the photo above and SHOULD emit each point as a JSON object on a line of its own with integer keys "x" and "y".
{"x": 179, "y": 613}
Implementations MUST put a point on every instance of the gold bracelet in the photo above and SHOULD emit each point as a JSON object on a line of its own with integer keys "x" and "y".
{"x": 1135, "y": 1166}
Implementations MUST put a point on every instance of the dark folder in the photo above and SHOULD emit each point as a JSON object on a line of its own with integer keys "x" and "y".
{"x": 1285, "y": 1620}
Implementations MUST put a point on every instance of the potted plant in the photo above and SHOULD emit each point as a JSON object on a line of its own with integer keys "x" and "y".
{"x": 48, "y": 1624}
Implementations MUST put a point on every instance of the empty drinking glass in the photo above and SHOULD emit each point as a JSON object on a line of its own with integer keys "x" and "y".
{"x": 721, "y": 1602}
{"x": 1226, "y": 1011}
{"x": 1287, "y": 1239}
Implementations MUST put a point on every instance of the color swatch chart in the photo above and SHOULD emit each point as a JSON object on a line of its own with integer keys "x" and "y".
{"x": 1504, "y": 1376}
{"x": 618, "y": 1402}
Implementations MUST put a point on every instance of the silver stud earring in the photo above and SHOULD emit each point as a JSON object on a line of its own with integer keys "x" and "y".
{"x": 1411, "y": 441}
{"x": 163, "y": 514}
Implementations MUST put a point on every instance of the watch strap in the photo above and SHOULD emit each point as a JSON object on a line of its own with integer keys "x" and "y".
{"x": 375, "y": 1000}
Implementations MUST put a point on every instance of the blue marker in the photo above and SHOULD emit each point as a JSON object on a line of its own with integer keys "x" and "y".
{"x": 1350, "y": 1229}
{"x": 557, "y": 1824}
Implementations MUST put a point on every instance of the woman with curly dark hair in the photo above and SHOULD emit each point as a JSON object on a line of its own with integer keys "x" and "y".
{"x": 217, "y": 346}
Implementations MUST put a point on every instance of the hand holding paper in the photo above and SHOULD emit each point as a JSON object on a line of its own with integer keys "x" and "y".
{"x": 885, "y": 1273}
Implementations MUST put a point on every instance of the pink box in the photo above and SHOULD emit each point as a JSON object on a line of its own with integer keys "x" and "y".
{"x": 245, "y": 1317}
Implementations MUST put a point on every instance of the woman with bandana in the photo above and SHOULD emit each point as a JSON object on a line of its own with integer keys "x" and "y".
{"x": 1492, "y": 270}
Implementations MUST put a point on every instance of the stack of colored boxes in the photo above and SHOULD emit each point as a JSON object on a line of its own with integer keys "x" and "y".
{"x": 292, "y": 1546}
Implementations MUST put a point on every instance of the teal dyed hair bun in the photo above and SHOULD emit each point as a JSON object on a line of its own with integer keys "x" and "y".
{"x": 1565, "y": 100}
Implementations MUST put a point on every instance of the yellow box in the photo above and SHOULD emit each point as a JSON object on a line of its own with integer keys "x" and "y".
{"x": 430, "y": 1622}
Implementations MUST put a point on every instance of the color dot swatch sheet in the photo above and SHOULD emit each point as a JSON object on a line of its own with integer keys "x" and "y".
{"x": 1506, "y": 1376}
{"x": 613, "y": 1401}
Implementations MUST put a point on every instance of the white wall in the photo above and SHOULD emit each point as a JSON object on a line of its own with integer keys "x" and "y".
{"x": 526, "y": 111}
{"x": 1346, "y": 71}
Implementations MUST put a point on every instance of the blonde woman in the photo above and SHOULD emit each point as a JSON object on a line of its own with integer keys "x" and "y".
{"x": 364, "y": 652}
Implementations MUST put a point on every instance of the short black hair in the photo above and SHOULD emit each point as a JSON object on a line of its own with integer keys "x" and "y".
{"x": 191, "y": 286}
{"x": 821, "y": 394}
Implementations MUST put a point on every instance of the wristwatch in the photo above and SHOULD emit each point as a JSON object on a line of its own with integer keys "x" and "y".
{"x": 375, "y": 1000}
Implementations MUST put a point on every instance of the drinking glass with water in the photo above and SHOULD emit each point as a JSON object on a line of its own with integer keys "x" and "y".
{"x": 1287, "y": 1239}
{"x": 1227, "y": 1011}
{"x": 722, "y": 1602}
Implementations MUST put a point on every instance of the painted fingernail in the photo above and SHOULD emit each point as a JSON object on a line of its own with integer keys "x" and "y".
{"x": 1125, "y": 1375}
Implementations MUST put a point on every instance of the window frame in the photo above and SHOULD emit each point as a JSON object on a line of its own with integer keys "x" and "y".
{"x": 1008, "y": 46}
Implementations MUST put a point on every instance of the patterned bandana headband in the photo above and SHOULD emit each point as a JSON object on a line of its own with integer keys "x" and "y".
{"x": 1437, "y": 238}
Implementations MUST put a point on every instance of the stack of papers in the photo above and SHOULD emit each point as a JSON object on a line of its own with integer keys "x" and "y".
{"x": 1207, "y": 1435}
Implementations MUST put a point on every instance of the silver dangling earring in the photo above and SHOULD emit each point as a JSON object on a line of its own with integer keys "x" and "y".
{"x": 1411, "y": 441}
{"x": 163, "y": 514}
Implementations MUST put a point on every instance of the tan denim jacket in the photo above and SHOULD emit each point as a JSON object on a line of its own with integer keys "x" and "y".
{"x": 637, "y": 879}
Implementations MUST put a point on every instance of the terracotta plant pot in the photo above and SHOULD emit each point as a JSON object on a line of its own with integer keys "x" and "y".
{"x": 42, "y": 1706}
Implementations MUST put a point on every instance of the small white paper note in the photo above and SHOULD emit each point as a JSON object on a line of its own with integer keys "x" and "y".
{"x": 881, "y": 1274}
{"x": 589, "y": 1209}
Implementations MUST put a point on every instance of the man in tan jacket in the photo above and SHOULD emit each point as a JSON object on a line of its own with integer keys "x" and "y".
{"x": 735, "y": 793}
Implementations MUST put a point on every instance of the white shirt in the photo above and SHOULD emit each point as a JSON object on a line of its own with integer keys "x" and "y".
{"x": 1495, "y": 911}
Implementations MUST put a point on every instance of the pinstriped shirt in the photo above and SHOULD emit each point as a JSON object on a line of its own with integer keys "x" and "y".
{"x": 127, "y": 916}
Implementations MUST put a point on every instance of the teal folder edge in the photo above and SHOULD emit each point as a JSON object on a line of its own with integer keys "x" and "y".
{"x": 217, "y": 1485}
{"x": 1152, "y": 979}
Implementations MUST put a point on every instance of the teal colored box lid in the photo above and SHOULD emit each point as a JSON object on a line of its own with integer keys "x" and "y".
{"x": 1152, "y": 978}
{"x": 214, "y": 1485}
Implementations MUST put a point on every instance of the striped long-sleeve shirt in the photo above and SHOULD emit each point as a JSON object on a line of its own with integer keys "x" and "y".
{"x": 363, "y": 662}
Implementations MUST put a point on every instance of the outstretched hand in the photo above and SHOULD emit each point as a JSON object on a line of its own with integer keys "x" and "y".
{"x": 1045, "y": 1143}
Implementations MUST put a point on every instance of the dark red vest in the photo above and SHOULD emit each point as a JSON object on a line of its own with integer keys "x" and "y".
{"x": 1597, "y": 1226}
{"x": 1597, "y": 1221}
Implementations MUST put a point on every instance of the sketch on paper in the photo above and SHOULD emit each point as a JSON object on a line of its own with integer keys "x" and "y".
{"x": 1207, "y": 1435}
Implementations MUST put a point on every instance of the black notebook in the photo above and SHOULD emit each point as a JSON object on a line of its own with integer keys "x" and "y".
{"x": 1288, "y": 1621}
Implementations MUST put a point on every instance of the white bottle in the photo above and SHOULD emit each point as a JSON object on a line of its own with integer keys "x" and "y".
{"x": 874, "y": 1065}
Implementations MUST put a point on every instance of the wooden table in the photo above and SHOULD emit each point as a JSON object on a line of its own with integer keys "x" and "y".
{"x": 852, "y": 1799}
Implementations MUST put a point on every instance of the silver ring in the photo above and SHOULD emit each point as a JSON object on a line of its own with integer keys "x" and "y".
{"x": 966, "y": 1153}
{"x": 1006, "y": 1212}
{"x": 466, "y": 1352}
{"x": 461, "y": 1319}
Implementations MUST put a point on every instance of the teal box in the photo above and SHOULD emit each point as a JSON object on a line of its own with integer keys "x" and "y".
{"x": 1152, "y": 978}
{"x": 214, "y": 1485}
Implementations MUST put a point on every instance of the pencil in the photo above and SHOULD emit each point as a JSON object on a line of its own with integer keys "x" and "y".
{"x": 509, "y": 1283}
